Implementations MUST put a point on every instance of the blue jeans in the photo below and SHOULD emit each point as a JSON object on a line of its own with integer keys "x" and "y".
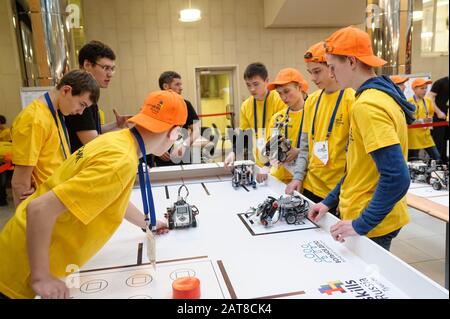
{"x": 385, "y": 241}
{"x": 431, "y": 151}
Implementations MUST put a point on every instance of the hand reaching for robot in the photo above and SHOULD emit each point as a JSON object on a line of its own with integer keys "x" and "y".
{"x": 342, "y": 230}
{"x": 295, "y": 185}
{"x": 229, "y": 160}
{"x": 292, "y": 155}
{"x": 317, "y": 211}
{"x": 161, "y": 227}
{"x": 261, "y": 177}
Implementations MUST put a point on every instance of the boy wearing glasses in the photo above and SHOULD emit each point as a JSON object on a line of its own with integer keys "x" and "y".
{"x": 99, "y": 60}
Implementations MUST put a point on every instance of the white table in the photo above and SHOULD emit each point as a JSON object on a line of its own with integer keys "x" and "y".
{"x": 231, "y": 262}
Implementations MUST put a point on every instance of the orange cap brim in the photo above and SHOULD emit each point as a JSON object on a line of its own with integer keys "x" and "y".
{"x": 150, "y": 124}
{"x": 372, "y": 60}
{"x": 422, "y": 84}
{"x": 272, "y": 86}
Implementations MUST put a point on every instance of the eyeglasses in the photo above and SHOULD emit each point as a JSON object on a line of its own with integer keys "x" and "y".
{"x": 107, "y": 68}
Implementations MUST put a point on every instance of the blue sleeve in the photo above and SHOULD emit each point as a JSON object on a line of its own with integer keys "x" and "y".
{"x": 332, "y": 199}
{"x": 392, "y": 186}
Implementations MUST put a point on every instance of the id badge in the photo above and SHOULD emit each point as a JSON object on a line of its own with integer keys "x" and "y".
{"x": 321, "y": 151}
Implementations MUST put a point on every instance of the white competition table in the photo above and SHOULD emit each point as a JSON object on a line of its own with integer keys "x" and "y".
{"x": 232, "y": 262}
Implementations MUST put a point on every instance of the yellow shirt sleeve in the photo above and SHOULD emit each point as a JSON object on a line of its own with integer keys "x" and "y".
{"x": 90, "y": 191}
{"x": 376, "y": 128}
{"x": 28, "y": 138}
{"x": 243, "y": 118}
{"x": 5, "y": 135}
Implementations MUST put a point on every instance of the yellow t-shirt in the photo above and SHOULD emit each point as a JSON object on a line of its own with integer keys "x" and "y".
{"x": 377, "y": 121}
{"x": 280, "y": 172}
{"x": 5, "y": 135}
{"x": 36, "y": 141}
{"x": 420, "y": 138}
{"x": 246, "y": 120}
{"x": 320, "y": 179}
{"x": 94, "y": 184}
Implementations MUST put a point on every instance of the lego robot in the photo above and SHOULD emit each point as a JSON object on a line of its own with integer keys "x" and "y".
{"x": 181, "y": 214}
{"x": 292, "y": 208}
{"x": 243, "y": 174}
{"x": 433, "y": 173}
{"x": 438, "y": 175}
{"x": 278, "y": 146}
{"x": 418, "y": 171}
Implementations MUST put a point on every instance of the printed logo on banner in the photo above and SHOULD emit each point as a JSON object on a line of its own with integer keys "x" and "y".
{"x": 320, "y": 252}
{"x": 362, "y": 288}
{"x": 332, "y": 287}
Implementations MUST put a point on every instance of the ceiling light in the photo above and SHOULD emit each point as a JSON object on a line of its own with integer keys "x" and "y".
{"x": 190, "y": 15}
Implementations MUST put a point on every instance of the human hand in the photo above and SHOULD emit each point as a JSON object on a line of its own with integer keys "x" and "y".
{"x": 27, "y": 193}
{"x": 295, "y": 185}
{"x": 49, "y": 287}
{"x": 261, "y": 177}
{"x": 317, "y": 211}
{"x": 229, "y": 160}
{"x": 121, "y": 120}
{"x": 161, "y": 227}
{"x": 342, "y": 230}
{"x": 292, "y": 155}
{"x": 165, "y": 157}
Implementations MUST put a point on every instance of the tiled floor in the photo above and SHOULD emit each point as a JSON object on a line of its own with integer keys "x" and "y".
{"x": 421, "y": 243}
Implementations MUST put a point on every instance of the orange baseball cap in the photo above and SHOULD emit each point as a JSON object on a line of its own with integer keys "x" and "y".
{"x": 316, "y": 53}
{"x": 419, "y": 82}
{"x": 351, "y": 41}
{"x": 286, "y": 76}
{"x": 398, "y": 79}
{"x": 161, "y": 111}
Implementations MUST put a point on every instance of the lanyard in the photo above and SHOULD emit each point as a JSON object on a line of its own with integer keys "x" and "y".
{"x": 63, "y": 123}
{"x": 255, "y": 116}
{"x": 418, "y": 105}
{"x": 98, "y": 125}
{"x": 330, "y": 126}
{"x": 286, "y": 133}
{"x": 144, "y": 183}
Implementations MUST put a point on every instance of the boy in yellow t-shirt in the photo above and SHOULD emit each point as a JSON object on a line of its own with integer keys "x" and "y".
{"x": 420, "y": 138}
{"x": 257, "y": 111}
{"x": 40, "y": 140}
{"x": 327, "y": 122}
{"x": 371, "y": 196}
{"x": 5, "y": 133}
{"x": 292, "y": 88}
{"x": 75, "y": 212}
{"x": 399, "y": 81}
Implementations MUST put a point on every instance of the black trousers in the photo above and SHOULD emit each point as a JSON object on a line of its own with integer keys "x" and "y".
{"x": 440, "y": 137}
